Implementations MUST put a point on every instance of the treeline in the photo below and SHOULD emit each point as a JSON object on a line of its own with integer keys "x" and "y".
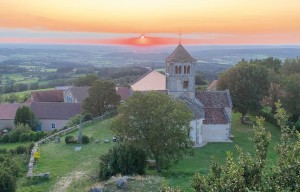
{"x": 256, "y": 85}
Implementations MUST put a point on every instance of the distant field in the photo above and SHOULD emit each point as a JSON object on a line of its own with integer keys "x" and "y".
{"x": 19, "y": 94}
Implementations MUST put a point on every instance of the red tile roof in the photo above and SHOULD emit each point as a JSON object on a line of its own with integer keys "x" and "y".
{"x": 215, "y": 116}
{"x": 123, "y": 92}
{"x": 212, "y": 86}
{"x": 180, "y": 55}
{"x": 8, "y": 110}
{"x": 55, "y": 110}
{"x": 47, "y": 96}
{"x": 214, "y": 99}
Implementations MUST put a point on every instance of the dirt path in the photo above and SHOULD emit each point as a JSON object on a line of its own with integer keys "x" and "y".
{"x": 64, "y": 182}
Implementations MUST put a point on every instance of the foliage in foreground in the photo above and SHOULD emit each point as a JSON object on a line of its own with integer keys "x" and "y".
{"x": 157, "y": 123}
{"x": 248, "y": 173}
{"x": 122, "y": 159}
{"x": 9, "y": 171}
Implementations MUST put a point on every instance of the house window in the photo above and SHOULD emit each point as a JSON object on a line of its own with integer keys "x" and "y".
{"x": 53, "y": 125}
{"x": 188, "y": 69}
{"x": 176, "y": 69}
{"x": 69, "y": 99}
{"x": 185, "y": 84}
{"x": 184, "y": 69}
{"x": 179, "y": 69}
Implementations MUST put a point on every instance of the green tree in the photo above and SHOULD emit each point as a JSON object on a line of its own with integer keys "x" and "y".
{"x": 102, "y": 97}
{"x": 285, "y": 175}
{"x": 199, "y": 79}
{"x": 238, "y": 175}
{"x": 25, "y": 116}
{"x": 248, "y": 84}
{"x": 291, "y": 66}
{"x": 87, "y": 80}
{"x": 291, "y": 96}
{"x": 157, "y": 123}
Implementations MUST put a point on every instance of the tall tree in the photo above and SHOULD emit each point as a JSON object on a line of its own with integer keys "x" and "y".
{"x": 87, "y": 80}
{"x": 25, "y": 116}
{"x": 102, "y": 97}
{"x": 248, "y": 83}
{"x": 291, "y": 66}
{"x": 291, "y": 96}
{"x": 157, "y": 123}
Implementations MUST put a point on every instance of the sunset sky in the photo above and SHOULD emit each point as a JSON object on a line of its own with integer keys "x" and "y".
{"x": 148, "y": 22}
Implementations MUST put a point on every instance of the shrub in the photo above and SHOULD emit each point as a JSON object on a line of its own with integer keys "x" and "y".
{"x": 87, "y": 117}
{"x": 8, "y": 181}
{"x": 123, "y": 159}
{"x": 5, "y": 138}
{"x": 32, "y": 136}
{"x": 7, "y": 162}
{"x": 70, "y": 139}
{"x": 85, "y": 139}
{"x": 3, "y": 150}
{"x": 14, "y": 137}
{"x": 24, "y": 137}
{"x": 21, "y": 149}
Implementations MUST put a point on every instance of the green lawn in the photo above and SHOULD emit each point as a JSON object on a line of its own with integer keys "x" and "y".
{"x": 77, "y": 170}
{"x": 181, "y": 173}
{"x": 71, "y": 170}
{"x": 13, "y": 145}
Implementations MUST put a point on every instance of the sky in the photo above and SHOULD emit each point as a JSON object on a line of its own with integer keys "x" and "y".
{"x": 150, "y": 22}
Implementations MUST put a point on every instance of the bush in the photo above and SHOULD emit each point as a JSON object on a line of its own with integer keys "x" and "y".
{"x": 21, "y": 149}
{"x": 7, "y": 162}
{"x": 24, "y": 137}
{"x": 269, "y": 117}
{"x": 3, "y": 150}
{"x": 32, "y": 136}
{"x": 85, "y": 139}
{"x": 70, "y": 139}
{"x": 14, "y": 137}
{"x": 5, "y": 138}
{"x": 8, "y": 181}
{"x": 36, "y": 156}
{"x": 87, "y": 117}
{"x": 122, "y": 159}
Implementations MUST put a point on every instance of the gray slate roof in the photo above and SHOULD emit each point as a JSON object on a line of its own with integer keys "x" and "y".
{"x": 194, "y": 105}
{"x": 180, "y": 55}
{"x": 55, "y": 110}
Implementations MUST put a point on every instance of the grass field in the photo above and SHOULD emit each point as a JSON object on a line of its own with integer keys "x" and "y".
{"x": 71, "y": 170}
{"x": 13, "y": 145}
{"x": 181, "y": 173}
{"x": 77, "y": 170}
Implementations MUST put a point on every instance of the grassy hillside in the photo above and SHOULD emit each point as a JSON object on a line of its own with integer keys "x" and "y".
{"x": 77, "y": 170}
{"x": 71, "y": 170}
{"x": 180, "y": 174}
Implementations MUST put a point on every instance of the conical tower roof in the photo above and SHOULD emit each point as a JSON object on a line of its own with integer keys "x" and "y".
{"x": 180, "y": 55}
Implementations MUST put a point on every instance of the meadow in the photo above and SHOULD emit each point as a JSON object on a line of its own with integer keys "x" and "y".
{"x": 72, "y": 170}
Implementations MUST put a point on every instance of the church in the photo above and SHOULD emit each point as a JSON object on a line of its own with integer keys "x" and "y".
{"x": 211, "y": 109}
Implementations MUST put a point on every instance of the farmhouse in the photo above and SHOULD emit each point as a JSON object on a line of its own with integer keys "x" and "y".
{"x": 7, "y": 114}
{"x": 212, "y": 109}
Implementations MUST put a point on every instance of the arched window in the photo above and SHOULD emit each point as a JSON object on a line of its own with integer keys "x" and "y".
{"x": 188, "y": 69}
{"x": 179, "y": 69}
{"x": 176, "y": 69}
{"x": 184, "y": 69}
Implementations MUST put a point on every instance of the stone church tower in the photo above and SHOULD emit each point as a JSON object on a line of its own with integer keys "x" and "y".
{"x": 180, "y": 73}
